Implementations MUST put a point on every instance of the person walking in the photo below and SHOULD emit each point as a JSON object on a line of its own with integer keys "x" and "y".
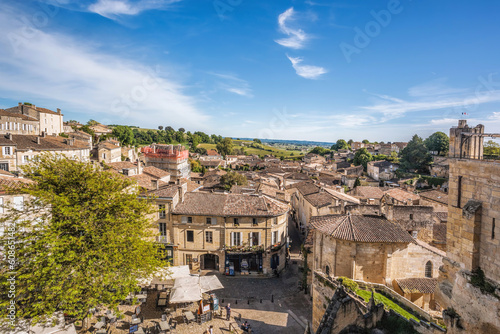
{"x": 228, "y": 311}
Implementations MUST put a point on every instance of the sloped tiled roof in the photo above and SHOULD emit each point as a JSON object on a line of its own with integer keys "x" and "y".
{"x": 49, "y": 143}
{"x": 238, "y": 205}
{"x": 21, "y": 116}
{"x": 342, "y": 196}
{"x": 165, "y": 192}
{"x": 319, "y": 199}
{"x": 10, "y": 183}
{"x": 108, "y": 146}
{"x": 118, "y": 166}
{"x": 156, "y": 172}
{"x": 368, "y": 192}
{"x": 435, "y": 195}
{"x": 402, "y": 195}
{"x": 417, "y": 285}
{"x": 361, "y": 228}
{"x": 307, "y": 188}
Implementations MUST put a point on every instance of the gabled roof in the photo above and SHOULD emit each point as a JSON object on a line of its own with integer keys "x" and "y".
{"x": 164, "y": 192}
{"x": 401, "y": 195}
{"x": 307, "y": 188}
{"x": 435, "y": 195}
{"x": 237, "y": 205}
{"x": 360, "y": 228}
{"x": 417, "y": 285}
{"x": 21, "y": 116}
{"x": 49, "y": 143}
{"x": 118, "y": 166}
{"x": 11, "y": 183}
{"x": 319, "y": 199}
{"x": 342, "y": 196}
{"x": 156, "y": 172}
{"x": 368, "y": 192}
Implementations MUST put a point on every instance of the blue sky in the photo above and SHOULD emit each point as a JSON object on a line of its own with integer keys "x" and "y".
{"x": 310, "y": 70}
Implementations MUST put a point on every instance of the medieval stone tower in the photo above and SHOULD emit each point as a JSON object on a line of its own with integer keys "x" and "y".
{"x": 466, "y": 146}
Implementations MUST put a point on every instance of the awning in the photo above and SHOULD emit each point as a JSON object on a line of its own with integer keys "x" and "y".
{"x": 189, "y": 289}
{"x": 166, "y": 276}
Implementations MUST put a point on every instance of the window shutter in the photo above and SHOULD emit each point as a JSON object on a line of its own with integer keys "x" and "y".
{"x": 214, "y": 221}
{"x": 184, "y": 220}
{"x": 241, "y": 238}
{"x": 250, "y": 239}
{"x": 259, "y": 239}
{"x": 232, "y": 239}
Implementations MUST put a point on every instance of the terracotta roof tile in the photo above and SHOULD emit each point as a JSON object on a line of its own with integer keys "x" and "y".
{"x": 361, "y": 228}
{"x": 156, "y": 172}
{"x": 435, "y": 195}
{"x": 165, "y": 192}
{"x": 320, "y": 199}
{"x": 21, "y": 116}
{"x": 49, "y": 143}
{"x": 118, "y": 166}
{"x": 213, "y": 204}
{"x": 401, "y": 195}
{"x": 417, "y": 285}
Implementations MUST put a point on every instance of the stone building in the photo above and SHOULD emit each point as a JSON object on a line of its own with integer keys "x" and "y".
{"x": 108, "y": 152}
{"x": 31, "y": 120}
{"x": 370, "y": 248}
{"x": 311, "y": 200}
{"x": 463, "y": 146}
{"x": 216, "y": 231}
{"x": 473, "y": 240}
{"x": 17, "y": 150}
{"x": 172, "y": 158}
{"x": 382, "y": 170}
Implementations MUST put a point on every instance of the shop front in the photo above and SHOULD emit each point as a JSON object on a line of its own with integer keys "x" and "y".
{"x": 243, "y": 262}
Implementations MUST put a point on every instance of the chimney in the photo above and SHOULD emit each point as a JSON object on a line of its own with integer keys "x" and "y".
{"x": 182, "y": 190}
{"x": 44, "y": 134}
{"x": 38, "y": 140}
{"x": 139, "y": 167}
{"x": 58, "y": 111}
{"x": 9, "y": 136}
{"x": 20, "y": 107}
{"x": 154, "y": 184}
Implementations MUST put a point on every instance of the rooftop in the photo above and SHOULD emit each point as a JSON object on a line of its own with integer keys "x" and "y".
{"x": 361, "y": 228}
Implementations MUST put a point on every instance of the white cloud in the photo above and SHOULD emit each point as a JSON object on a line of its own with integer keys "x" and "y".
{"x": 297, "y": 37}
{"x": 81, "y": 78}
{"x": 306, "y": 71}
{"x": 434, "y": 88}
{"x": 114, "y": 8}
{"x": 233, "y": 84}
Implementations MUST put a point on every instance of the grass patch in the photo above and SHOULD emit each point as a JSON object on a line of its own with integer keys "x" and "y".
{"x": 388, "y": 303}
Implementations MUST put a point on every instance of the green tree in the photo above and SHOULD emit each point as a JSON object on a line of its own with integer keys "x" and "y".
{"x": 89, "y": 250}
{"x": 362, "y": 157}
{"x": 415, "y": 156}
{"x": 160, "y": 127}
{"x": 438, "y": 142}
{"x": 233, "y": 178}
{"x": 92, "y": 122}
{"x": 182, "y": 130}
{"x": 366, "y": 141}
{"x": 124, "y": 134}
{"x": 357, "y": 182}
{"x": 169, "y": 129}
{"x": 257, "y": 141}
{"x": 349, "y": 142}
{"x": 341, "y": 144}
{"x": 320, "y": 150}
{"x": 195, "y": 166}
{"x": 491, "y": 149}
{"x": 225, "y": 146}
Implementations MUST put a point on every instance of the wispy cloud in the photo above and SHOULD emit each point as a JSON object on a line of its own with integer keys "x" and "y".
{"x": 306, "y": 71}
{"x": 233, "y": 84}
{"x": 297, "y": 38}
{"x": 87, "y": 80}
{"x": 434, "y": 88}
{"x": 115, "y": 8}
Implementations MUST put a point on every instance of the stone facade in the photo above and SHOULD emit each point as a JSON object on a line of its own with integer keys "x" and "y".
{"x": 470, "y": 148}
{"x": 33, "y": 120}
{"x": 473, "y": 240}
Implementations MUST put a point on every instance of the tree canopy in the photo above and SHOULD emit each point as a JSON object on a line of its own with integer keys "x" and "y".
{"x": 362, "y": 157}
{"x": 320, "y": 150}
{"x": 341, "y": 144}
{"x": 233, "y": 178}
{"x": 225, "y": 147}
{"x": 491, "y": 149}
{"x": 415, "y": 156}
{"x": 438, "y": 142}
{"x": 88, "y": 250}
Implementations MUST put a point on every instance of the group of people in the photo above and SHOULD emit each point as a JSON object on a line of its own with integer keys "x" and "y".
{"x": 245, "y": 326}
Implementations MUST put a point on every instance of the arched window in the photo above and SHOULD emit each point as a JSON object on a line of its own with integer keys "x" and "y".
{"x": 428, "y": 269}
{"x": 327, "y": 271}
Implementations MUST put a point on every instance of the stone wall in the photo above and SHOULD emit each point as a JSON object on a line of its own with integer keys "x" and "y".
{"x": 474, "y": 240}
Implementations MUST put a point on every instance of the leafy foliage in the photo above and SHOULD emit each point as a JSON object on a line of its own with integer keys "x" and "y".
{"x": 415, "y": 156}
{"x": 341, "y": 144}
{"x": 233, "y": 178}
{"x": 89, "y": 249}
{"x": 362, "y": 157}
{"x": 438, "y": 142}
{"x": 491, "y": 149}
{"x": 225, "y": 147}
{"x": 320, "y": 150}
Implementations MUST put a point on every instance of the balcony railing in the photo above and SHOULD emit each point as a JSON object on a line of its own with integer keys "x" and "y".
{"x": 162, "y": 238}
